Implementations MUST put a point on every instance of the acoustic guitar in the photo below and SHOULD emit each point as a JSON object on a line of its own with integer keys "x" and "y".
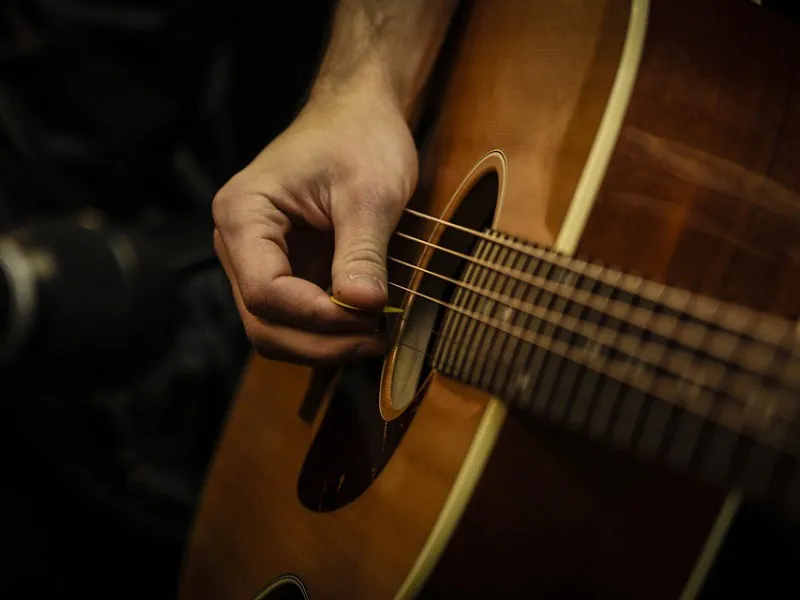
{"x": 597, "y": 362}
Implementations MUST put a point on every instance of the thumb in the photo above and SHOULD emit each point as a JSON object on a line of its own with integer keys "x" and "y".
{"x": 359, "y": 260}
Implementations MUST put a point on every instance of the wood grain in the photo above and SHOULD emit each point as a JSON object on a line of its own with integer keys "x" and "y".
{"x": 701, "y": 192}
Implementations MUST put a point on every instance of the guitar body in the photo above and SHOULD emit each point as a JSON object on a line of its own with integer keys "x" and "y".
{"x": 661, "y": 137}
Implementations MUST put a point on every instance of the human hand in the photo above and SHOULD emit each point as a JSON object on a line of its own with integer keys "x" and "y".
{"x": 318, "y": 206}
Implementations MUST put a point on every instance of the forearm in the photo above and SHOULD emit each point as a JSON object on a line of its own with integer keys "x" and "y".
{"x": 385, "y": 46}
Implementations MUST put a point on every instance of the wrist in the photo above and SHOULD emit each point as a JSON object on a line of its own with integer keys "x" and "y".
{"x": 383, "y": 49}
{"x": 369, "y": 85}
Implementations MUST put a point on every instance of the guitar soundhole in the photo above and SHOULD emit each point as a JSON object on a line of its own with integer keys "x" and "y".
{"x": 416, "y": 337}
{"x": 355, "y": 441}
{"x": 287, "y": 587}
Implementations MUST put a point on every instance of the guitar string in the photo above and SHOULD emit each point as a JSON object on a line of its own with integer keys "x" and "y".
{"x": 768, "y": 409}
{"x": 763, "y": 417}
{"x": 770, "y": 413}
{"x": 771, "y": 329}
{"x": 688, "y": 334}
{"x": 700, "y": 374}
{"x": 720, "y": 375}
{"x": 520, "y": 333}
{"x": 461, "y": 344}
{"x": 779, "y": 446}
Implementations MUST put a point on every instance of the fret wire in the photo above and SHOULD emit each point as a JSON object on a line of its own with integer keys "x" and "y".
{"x": 649, "y": 410}
{"x": 602, "y": 420}
{"x": 488, "y": 372}
{"x": 443, "y": 351}
{"x": 451, "y": 319}
{"x": 571, "y": 390}
{"x": 456, "y": 322}
{"x": 566, "y": 391}
{"x": 660, "y": 388}
{"x": 511, "y": 345}
{"x": 469, "y": 327}
{"x": 591, "y": 378}
{"x": 459, "y": 323}
{"x": 771, "y": 366}
{"x": 522, "y": 378}
{"x": 608, "y": 401}
{"x": 584, "y": 403}
{"x": 513, "y": 288}
{"x": 540, "y": 357}
{"x": 772, "y": 328}
{"x": 553, "y": 369}
{"x": 703, "y": 374}
{"x": 477, "y": 330}
{"x": 742, "y": 351}
{"x": 693, "y": 389}
{"x": 596, "y": 350}
{"x": 643, "y": 408}
{"x": 716, "y": 462}
{"x": 703, "y": 308}
{"x": 473, "y": 329}
{"x": 559, "y": 397}
{"x": 509, "y": 286}
{"x": 623, "y": 398}
{"x": 484, "y": 343}
{"x": 654, "y": 292}
{"x": 688, "y": 334}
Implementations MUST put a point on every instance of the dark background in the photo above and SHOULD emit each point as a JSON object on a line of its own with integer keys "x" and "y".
{"x": 142, "y": 110}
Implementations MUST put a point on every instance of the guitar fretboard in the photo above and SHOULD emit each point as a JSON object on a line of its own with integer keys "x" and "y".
{"x": 705, "y": 386}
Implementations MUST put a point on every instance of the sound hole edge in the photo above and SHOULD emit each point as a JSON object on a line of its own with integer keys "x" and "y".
{"x": 285, "y": 587}
{"x": 415, "y": 343}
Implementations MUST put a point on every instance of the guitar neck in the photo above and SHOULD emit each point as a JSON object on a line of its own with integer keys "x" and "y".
{"x": 706, "y": 387}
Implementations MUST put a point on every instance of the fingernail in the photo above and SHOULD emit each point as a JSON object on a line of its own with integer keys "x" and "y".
{"x": 367, "y": 281}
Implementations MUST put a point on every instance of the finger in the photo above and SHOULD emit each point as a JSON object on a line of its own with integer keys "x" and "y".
{"x": 362, "y": 232}
{"x": 280, "y": 342}
{"x": 260, "y": 269}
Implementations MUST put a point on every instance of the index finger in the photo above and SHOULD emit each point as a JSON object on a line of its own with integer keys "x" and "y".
{"x": 262, "y": 273}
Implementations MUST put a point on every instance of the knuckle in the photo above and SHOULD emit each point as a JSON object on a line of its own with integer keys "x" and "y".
{"x": 255, "y": 298}
{"x": 372, "y": 199}
{"x": 221, "y": 205}
{"x": 367, "y": 250}
{"x": 263, "y": 340}
{"x": 381, "y": 189}
{"x": 233, "y": 203}
{"x": 253, "y": 332}
{"x": 248, "y": 300}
